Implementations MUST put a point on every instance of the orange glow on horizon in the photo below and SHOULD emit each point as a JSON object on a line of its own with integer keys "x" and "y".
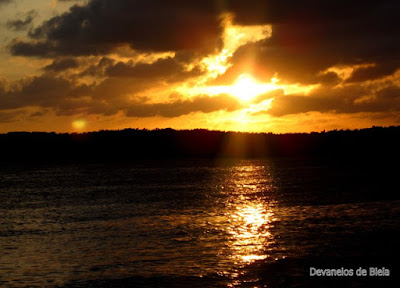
{"x": 79, "y": 124}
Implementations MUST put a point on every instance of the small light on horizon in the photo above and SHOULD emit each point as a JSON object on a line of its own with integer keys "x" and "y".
{"x": 79, "y": 124}
{"x": 274, "y": 80}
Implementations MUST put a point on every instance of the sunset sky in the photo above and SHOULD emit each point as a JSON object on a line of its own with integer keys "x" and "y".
{"x": 251, "y": 65}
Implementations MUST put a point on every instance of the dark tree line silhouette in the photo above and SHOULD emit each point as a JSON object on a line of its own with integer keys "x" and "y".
{"x": 131, "y": 144}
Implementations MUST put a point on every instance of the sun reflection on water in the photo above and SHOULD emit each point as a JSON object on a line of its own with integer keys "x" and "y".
{"x": 249, "y": 230}
{"x": 250, "y": 215}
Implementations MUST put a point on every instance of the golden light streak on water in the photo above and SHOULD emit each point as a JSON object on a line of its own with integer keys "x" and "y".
{"x": 250, "y": 217}
{"x": 249, "y": 230}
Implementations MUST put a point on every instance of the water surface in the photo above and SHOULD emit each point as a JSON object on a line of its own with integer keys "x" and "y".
{"x": 189, "y": 223}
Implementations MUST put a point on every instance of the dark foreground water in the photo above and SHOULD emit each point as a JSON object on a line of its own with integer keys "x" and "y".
{"x": 199, "y": 223}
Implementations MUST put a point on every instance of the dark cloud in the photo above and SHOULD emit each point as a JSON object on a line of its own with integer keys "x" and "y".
{"x": 373, "y": 72}
{"x": 169, "y": 69}
{"x": 309, "y": 37}
{"x": 147, "y": 25}
{"x": 62, "y": 64}
{"x": 66, "y": 97}
{"x": 42, "y": 91}
{"x": 51, "y": 49}
{"x": 204, "y": 104}
{"x": 58, "y": 94}
{"x": 252, "y": 12}
{"x": 295, "y": 104}
{"x": 98, "y": 69}
{"x": 390, "y": 92}
{"x": 117, "y": 91}
{"x": 350, "y": 99}
{"x": 22, "y": 24}
{"x": 139, "y": 107}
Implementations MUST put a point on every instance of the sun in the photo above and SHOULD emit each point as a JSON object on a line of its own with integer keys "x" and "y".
{"x": 246, "y": 88}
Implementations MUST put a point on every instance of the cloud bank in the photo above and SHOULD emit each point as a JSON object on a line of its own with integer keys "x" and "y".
{"x": 108, "y": 56}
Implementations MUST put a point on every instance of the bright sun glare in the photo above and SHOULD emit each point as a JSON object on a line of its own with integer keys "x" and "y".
{"x": 246, "y": 88}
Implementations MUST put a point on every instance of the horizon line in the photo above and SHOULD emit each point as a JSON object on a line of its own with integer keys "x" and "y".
{"x": 197, "y": 129}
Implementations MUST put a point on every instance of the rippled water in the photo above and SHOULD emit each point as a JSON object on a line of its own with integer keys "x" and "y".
{"x": 208, "y": 223}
